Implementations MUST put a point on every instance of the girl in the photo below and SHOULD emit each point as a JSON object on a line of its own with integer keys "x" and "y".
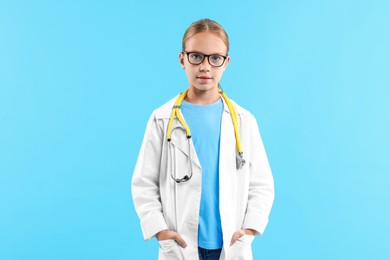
{"x": 202, "y": 184}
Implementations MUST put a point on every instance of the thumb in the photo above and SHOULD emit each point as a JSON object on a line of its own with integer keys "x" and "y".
{"x": 180, "y": 240}
{"x": 236, "y": 236}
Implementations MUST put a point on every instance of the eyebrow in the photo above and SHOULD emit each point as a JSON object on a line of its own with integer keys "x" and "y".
{"x": 209, "y": 54}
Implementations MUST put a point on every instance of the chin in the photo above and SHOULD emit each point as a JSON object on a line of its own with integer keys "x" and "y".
{"x": 205, "y": 87}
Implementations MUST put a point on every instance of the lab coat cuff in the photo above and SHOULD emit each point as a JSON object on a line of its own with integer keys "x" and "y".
{"x": 256, "y": 222}
{"x": 152, "y": 224}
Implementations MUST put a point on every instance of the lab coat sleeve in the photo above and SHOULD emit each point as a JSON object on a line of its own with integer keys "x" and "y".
{"x": 145, "y": 181}
{"x": 261, "y": 184}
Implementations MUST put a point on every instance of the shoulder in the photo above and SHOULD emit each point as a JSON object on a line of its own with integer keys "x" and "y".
{"x": 243, "y": 113}
{"x": 164, "y": 111}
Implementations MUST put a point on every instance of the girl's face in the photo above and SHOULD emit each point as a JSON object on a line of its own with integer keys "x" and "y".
{"x": 204, "y": 76}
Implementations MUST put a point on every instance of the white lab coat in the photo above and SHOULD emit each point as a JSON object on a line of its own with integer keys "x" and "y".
{"x": 246, "y": 195}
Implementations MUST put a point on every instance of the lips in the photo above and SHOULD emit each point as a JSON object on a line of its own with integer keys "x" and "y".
{"x": 203, "y": 79}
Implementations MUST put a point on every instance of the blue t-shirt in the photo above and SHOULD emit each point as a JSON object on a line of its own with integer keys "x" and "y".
{"x": 205, "y": 124}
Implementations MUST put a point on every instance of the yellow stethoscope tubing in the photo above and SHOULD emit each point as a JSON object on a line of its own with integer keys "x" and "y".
{"x": 234, "y": 117}
{"x": 176, "y": 113}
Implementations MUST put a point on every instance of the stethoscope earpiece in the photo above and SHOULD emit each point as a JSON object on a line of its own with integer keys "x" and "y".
{"x": 240, "y": 161}
{"x": 184, "y": 179}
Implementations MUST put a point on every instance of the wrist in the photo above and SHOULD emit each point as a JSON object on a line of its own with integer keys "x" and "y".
{"x": 161, "y": 232}
{"x": 249, "y": 231}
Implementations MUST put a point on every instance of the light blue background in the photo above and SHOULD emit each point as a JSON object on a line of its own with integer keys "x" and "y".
{"x": 79, "y": 79}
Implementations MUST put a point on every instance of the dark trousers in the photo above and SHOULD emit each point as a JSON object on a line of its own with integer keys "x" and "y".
{"x": 209, "y": 254}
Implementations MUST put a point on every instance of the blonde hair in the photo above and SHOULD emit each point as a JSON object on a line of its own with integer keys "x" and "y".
{"x": 206, "y": 25}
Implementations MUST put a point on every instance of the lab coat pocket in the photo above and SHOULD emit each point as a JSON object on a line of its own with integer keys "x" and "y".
{"x": 167, "y": 245}
{"x": 247, "y": 239}
{"x": 242, "y": 248}
{"x": 169, "y": 249}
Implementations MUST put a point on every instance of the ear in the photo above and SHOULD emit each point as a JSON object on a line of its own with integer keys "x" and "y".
{"x": 181, "y": 59}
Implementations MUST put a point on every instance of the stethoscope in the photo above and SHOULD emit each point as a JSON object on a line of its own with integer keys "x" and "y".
{"x": 240, "y": 161}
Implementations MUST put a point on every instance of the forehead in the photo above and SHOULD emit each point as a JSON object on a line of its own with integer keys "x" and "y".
{"x": 206, "y": 42}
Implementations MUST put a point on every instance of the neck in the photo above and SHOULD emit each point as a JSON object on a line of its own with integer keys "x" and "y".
{"x": 202, "y": 97}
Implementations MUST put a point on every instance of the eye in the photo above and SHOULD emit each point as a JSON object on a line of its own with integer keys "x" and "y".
{"x": 196, "y": 56}
{"x": 216, "y": 57}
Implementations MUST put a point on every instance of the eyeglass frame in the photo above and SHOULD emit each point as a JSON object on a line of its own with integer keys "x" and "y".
{"x": 205, "y": 56}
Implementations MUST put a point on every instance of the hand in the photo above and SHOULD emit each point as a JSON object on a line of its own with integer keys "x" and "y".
{"x": 240, "y": 233}
{"x": 167, "y": 234}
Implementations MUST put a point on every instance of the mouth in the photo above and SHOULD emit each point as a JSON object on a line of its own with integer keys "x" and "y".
{"x": 203, "y": 77}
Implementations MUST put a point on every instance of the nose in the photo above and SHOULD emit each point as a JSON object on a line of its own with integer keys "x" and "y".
{"x": 205, "y": 65}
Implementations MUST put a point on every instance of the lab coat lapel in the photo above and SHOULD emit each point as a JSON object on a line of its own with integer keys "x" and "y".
{"x": 179, "y": 139}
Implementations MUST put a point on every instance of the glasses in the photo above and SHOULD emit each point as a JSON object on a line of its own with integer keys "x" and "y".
{"x": 196, "y": 58}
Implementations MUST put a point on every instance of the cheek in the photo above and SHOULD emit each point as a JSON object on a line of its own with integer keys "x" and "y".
{"x": 192, "y": 72}
{"x": 218, "y": 74}
{"x": 191, "y": 75}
